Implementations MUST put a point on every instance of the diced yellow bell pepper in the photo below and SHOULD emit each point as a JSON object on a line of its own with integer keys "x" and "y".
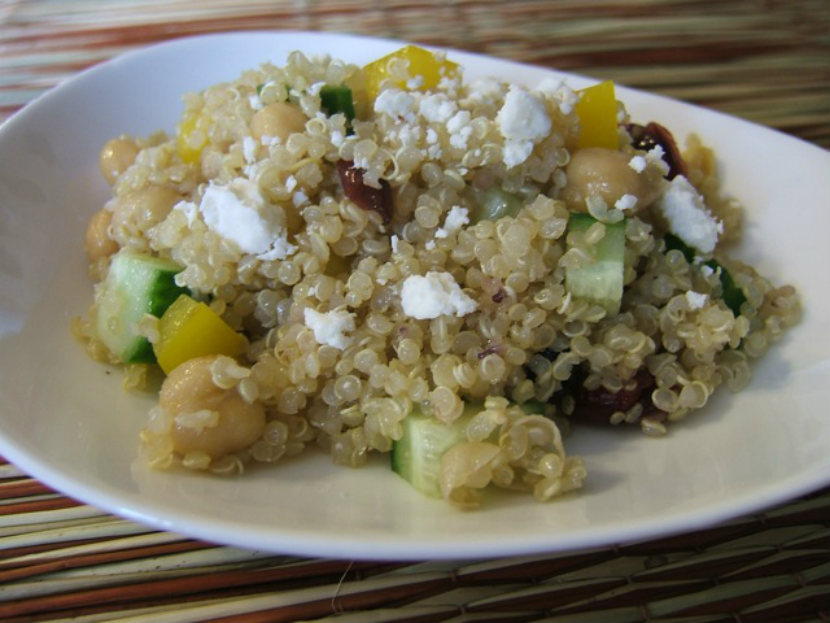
{"x": 192, "y": 136}
{"x": 425, "y": 69}
{"x": 190, "y": 329}
{"x": 597, "y": 112}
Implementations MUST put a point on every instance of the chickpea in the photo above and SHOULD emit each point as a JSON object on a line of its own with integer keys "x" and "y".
{"x": 606, "y": 173}
{"x": 277, "y": 120}
{"x": 97, "y": 243}
{"x": 116, "y": 156}
{"x": 138, "y": 210}
{"x": 190, "y": 388}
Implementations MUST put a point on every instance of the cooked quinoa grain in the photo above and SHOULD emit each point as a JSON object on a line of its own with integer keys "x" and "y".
{"x": 419, "y": 260}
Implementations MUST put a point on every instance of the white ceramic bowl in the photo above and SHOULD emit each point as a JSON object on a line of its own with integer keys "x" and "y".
{"x": 65, "y": 420}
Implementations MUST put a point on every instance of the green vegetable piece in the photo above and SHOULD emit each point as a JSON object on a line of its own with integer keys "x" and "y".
{"x": 416, "y": 456}
{"x": 136, "y": 284}
{"x": 732, "y": 294}
{"x": 337, "y": 99}
{"x": 494, "y": 203}
{"x": 601, "y": 281}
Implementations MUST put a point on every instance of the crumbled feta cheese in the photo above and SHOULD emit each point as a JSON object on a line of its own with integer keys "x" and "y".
{"x": 189, "y": 209}
{"x": 290, "y": 183}
{"x": 460, "y": 129}
{"x": 432, "y": 136}
{"x": 280, "y": 249}
{"x": 561, "y": 92}
{"x": 237, "y": 212}
{"x": 337, "y": 138}
{"x": 397, "y": 104}
{"x": 523, "y": 116}
{"x": 299, "y": 198}
{"x": 249, "y": 149}
{"x": 626, "y": 202}
{"x": 523, "y": 120}
{"x": 429, "y": 245}
{"x": 516, "y": 152}
{"x": 330, "y": 327}
{"x": 638, "y": 163}
{"x": 688, "y": 216}
{"x": 655, "y": 156}
{"x": 707, "y": 271}
{"x": 483, "y": 90}
{"x": 696, "y": 300}
{"x": 437, "y": 108}
{"x": 394, "y": 240}
{"x": 433, "y": 295}
{"x": 457, "y": 217}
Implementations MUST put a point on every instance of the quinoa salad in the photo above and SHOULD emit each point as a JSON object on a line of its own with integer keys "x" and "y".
{"x": 392, "y": 260}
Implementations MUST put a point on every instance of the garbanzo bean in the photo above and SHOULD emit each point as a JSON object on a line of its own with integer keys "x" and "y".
{"x": 189, "y": 389}
{"x": 97, "y": 242}
{"x": 606, "y": 173}
{"x": 277, "y": 120}
{"x": 116, "y": 155}
{"x": 141, "y": 209}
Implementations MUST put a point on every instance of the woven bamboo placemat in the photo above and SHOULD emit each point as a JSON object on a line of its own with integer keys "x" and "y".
{"x": 764, "y": 60}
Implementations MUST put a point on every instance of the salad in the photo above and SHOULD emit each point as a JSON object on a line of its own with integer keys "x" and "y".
{"x": 391, "y": 259}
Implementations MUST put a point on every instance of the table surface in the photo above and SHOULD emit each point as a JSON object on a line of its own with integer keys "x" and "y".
{"x": 767, "y": 61}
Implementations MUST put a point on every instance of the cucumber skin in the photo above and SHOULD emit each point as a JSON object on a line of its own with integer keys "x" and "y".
{"x": 434, "y": 438}
{"x": 139, "y": 284}
{"x": 602, "y": 281}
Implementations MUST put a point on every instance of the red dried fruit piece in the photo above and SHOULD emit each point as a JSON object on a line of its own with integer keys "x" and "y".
{"x": 648, "y": 136}
{"x": 379, "y": 200}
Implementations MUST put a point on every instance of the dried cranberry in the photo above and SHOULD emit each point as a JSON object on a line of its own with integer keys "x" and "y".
{"x": 653, "y": 134}
{"x": 378, "y": 200}
{"x": 597, "y": 405}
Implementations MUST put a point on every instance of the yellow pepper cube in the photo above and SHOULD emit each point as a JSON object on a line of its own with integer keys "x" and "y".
{"x": 192, "y": 136}
{"x": 426, "y": 70}
{"x": 597, "y": 112}
{"x": 189, "y": 329}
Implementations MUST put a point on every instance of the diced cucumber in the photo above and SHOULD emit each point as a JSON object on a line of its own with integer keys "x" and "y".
{"x": 416, "y": 457}
{"x": 136, "y": 284}
{"x": 731, "y": 294}
{"x": 601, "y": 281}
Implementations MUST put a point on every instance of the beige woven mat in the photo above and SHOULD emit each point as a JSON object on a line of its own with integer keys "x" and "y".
{"x": 767, "y": 61}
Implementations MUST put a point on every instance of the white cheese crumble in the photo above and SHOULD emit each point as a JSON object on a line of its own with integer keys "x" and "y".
{"x": 696, "y": 300}
{"x": 707, "y": 271}
{"x": 638, "y": 163}
{"x": 434, "y": 294}
{"x": 237, "y": 212}
{"x": 249, "y": 148}
{"x": 626, "y": 202}
{"x": 330, "y": 327}
{"x": 337, "y": 138}
{"x": 523, "y": 120}
{"x": 394, "y": 240}
{"x": 655, "y": 156}
{"x": 457, "y": 217}
{"x": 397, "y": 104}
{"x": 460, "y": 129}
{"x": 437, "y": 108}
{"x": 688, "y": 216}
{"x": 516, "y": 152}
{"x": 523, "y": 116}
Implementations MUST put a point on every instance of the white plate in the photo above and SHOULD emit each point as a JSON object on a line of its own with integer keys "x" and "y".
{"x": 65, "y": 420}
